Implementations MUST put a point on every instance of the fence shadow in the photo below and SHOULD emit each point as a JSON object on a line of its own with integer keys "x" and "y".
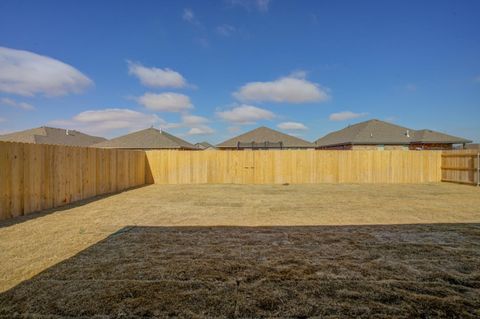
{"x": 428, "y": 270}
{"x": 45, "y": 212}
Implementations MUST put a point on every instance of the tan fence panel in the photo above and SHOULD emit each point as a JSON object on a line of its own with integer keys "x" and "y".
{"x": 36, "y": 177}
{"x": 292, "y": 166}
{"x": 461, "y": 166}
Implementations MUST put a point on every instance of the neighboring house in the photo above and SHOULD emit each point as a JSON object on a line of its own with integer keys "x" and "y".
{"x": 148, "y": 139}
{"x": 265, "y": 138}
{"x": 205, "y": 146}
{"x": 376, "y": 134}
{"x": 54, "y": 136}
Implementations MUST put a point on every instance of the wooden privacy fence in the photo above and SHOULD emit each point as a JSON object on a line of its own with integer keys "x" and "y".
{"x": 35, "y": 177}
{"x": 461, "y": 166}
{"x": 292, "y": 166}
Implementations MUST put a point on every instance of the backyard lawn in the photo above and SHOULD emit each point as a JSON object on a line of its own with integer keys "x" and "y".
{"x": 249, "y": 250}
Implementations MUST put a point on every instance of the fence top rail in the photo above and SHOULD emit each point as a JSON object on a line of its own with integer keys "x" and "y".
{"x": 461, "y": 155}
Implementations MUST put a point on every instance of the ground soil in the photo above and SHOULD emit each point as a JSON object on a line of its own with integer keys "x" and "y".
{"x": 408, "y": 250}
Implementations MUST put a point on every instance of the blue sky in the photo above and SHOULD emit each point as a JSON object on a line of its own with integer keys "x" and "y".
{"x": 208, "y": 70}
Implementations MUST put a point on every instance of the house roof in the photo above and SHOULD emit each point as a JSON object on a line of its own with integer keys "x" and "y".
{"x": 204, "y": 145}
{"x": 264, "y": 134}
{"x": 50, "y": 135}
{"x": 429, "y": 136}
{"x": 381, "y": 132}
{"x": 149, "y": 138}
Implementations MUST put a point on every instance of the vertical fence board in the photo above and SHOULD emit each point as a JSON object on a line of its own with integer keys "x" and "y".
{"x": 35, "y": 177}
{"x": 460, "y": 166}
{"x": 292, "y": 166}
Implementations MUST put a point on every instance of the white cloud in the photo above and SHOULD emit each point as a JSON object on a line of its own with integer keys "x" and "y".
{"x": 156, "y": 77}
{"x": 19, "y": 105}
{"x": 166, "y": 102}
{"x": 190, "y": 120}
{"x": 201, "y": 130}
{"x": 245, "y": 114}
{"x": 292, "y": 126}
{"x": 345, "y": 115}
{"x": 291, "y": 89}
{"x": 27, "y": 73}
{"x": 106, "y": 120}
{"x": 225, "y": 30}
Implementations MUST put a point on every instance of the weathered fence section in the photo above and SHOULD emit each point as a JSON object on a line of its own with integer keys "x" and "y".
{"x": 461, "y": 166}
{"x": 35, "y": 177}
{"x": 292, "y": 166}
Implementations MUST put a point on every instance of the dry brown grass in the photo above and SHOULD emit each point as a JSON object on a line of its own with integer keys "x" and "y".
{"x": 337, "y": 271}
{"x": 280, "y": 271}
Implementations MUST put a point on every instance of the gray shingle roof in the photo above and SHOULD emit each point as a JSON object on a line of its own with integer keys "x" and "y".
{"x": 375, "y": 132}
{"x": 149, "y": 138}
{"x": 429, "y": 136}
{"x": 54, "y": 136}
{"x": 264, "y": 134}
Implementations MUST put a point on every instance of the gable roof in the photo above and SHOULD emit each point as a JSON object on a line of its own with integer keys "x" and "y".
{"x": 375, "y": 131}
{"x": 149, "y": 138}
{"x": 429, "y": 136}
{"x": 54, "y": 136}
{"x": 264, "y": 134}
{"x": 204, "y": 145}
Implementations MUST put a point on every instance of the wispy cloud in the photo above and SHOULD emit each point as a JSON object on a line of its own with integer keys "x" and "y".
{"x": 27, "y": 73}
{"x": 166, "y": 102}
{"x": 156, "y": 77}
{"x": 345, "y": 115}
{"x": 225, "y": 30}
{"x": 292, "y": 126}
{"x": 202, "y": 35}
{"x": 294, "y": 88}
{"x": 245, "y": 114}
{"x": 15, "y": 104}
{"x": 189, "y": 16}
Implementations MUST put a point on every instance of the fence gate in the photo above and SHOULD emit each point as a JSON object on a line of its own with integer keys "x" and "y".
{"x": 461, "y": 167}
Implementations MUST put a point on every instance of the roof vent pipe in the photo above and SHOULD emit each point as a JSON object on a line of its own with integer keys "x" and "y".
{"x": 408, "y": 133}
{"x": 66, "y": 132}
